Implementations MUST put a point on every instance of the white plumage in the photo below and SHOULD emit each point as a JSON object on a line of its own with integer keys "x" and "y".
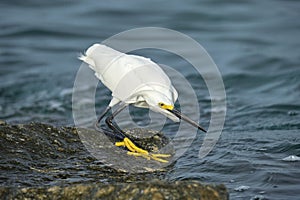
{"x": 132, "y": 79}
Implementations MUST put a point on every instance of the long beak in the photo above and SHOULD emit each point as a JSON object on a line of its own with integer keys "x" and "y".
{"x": 185, "y": 118}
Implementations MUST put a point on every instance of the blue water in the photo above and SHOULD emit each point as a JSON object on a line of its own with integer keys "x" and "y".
{"x": 254, "y": 43}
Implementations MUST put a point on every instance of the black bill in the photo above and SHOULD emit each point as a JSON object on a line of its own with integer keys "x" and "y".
{"x": 185, "y": 118}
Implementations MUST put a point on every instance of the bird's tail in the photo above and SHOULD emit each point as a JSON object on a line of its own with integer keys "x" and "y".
{"x": 99, "y": 56}
{"x": 87, "y": 59}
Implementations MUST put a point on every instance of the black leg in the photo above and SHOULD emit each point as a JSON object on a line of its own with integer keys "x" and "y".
{"x": 112, "y": 135}
{"x": 113, "y": 126}
{"x": 101, "y": 117}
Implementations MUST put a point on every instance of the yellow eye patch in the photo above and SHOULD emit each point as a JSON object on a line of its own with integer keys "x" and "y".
{"x": 165, "y": 106}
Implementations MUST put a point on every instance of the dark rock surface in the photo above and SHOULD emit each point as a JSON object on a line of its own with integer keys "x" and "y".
{"x": 39, "y": 161}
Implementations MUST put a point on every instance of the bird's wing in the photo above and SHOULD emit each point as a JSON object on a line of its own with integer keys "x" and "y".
{"x": 137, "y": 76}
{"x": 123, "y": 74}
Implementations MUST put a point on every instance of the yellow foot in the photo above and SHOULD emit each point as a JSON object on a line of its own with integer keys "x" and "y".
{"x": 136, "y": 151}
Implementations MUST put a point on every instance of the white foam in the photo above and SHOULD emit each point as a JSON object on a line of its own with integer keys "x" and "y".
{"x": 291, "y": 158}
{"x": 241, "y": 188}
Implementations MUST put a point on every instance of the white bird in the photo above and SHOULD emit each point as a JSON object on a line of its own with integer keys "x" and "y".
{"x": 133, "y": 80}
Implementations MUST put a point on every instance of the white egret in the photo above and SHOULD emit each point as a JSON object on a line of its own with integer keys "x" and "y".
{"x": 133, "y": 80}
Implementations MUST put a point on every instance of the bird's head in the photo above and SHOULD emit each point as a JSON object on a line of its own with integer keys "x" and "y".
{"x": 170, "y": 109}
{"x": 159, "y": 102}
{"x": 165, "y": 108}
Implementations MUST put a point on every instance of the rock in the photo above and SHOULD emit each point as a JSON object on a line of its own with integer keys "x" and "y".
{"x": 40, "y": 161}
{"x": 104, "y": 150}
{"x": 150, "y": 140}
{"x": 139, "y": 190}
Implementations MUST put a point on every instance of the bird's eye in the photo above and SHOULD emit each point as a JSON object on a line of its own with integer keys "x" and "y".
{"x": 161, "y": 104}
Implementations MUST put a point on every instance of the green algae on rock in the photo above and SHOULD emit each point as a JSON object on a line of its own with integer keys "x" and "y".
{"x": 139, "y": 190}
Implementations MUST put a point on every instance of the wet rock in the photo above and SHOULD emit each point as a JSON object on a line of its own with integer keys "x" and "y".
{"x": 40, "y": 161}
{"x": 35, "y": 154}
